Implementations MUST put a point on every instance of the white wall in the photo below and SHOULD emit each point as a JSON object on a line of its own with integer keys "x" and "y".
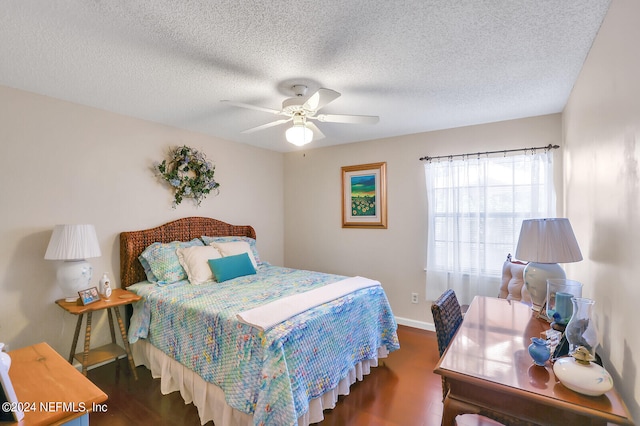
{"x": 601, "y": 131}
{"x": 66, "y": 163}
{"x": 315, "y": 239}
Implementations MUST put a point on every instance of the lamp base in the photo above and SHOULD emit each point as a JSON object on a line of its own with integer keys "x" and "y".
{"x": 535, "y": 280}
{"x": 73, "y": 276}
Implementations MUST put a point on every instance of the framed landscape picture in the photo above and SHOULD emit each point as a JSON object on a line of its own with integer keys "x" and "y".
{"x": 364, "y": 196}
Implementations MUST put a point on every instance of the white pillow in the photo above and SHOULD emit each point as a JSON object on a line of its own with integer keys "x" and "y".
{"x": 194, "y": 261}
{"x": 235, "y": 247}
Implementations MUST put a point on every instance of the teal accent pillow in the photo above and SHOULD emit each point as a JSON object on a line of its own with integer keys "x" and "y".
{"x": 230, "y": 267}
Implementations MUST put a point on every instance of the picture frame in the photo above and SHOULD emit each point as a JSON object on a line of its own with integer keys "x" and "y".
{"x": 364, "y": 196}
{"x": 89, "y": 295}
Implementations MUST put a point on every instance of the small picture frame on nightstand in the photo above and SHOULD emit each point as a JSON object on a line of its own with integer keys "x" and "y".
{"x": 89, "y": 295}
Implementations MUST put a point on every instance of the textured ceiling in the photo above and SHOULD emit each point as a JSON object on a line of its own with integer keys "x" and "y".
{"x": 419, "y": 65}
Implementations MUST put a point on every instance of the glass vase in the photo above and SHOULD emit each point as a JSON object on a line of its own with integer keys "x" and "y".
{"x": 581, "y": 329}
{"x": 559, "y": 294}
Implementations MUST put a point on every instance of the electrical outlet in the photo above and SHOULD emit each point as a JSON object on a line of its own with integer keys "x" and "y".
{"x": 414, "y": 297}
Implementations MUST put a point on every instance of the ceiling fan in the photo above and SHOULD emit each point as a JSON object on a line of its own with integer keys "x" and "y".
{"x": 301, "y": 111}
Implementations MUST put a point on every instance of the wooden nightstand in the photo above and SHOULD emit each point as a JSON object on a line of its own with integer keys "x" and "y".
{"x": 50, "y": 391}
{"x": 119, "y": 297}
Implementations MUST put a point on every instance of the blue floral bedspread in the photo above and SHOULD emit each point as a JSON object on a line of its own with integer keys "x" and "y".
{"x": 273, "y": 374}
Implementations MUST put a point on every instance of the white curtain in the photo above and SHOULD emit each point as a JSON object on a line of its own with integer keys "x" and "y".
{"x": 476, "y": 208}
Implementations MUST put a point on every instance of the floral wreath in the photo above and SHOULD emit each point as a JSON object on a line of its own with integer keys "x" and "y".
{"x": 189, "y": 174}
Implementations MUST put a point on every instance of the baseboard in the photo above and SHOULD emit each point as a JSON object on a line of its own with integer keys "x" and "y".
{"x": 415, "y": 324}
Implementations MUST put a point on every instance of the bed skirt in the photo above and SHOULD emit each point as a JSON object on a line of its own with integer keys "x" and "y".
{"x": 209, "y": 398}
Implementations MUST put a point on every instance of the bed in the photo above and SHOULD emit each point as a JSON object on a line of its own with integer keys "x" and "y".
{"x": 207, "y": 340}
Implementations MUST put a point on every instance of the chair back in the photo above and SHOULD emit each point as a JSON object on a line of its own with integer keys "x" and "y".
{"x": 447, "y": 317}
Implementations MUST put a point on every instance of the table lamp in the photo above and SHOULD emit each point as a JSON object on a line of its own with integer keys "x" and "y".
{"x": 544, "y": 243}
{"x": 73, "y": 244}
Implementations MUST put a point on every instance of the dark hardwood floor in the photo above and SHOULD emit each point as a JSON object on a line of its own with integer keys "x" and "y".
{"x": 402, "y": 391}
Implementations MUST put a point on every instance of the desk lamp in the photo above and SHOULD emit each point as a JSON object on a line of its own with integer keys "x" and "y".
{"x": 73, "y": 244}
{"x": 544, "y": 243}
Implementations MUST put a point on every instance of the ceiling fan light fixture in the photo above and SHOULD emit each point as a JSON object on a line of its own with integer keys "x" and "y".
{"x": 301, "y": 111}
{"x": 299, "y": 134}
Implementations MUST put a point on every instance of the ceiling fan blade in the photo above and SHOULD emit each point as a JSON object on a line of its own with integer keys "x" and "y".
{"x": 266, "y": 126}
{"x": 317, "y": 134}
{"x": 249, "y": 106}
{"x": 320, "y": 99}
{"x": 348, "y": 119}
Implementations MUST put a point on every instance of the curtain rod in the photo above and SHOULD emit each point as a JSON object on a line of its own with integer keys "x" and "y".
{"x": 547, "y": 148}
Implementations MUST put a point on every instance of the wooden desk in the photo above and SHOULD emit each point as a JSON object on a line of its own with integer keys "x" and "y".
{"x": 50, "y": 390}
{"x": 88, "y": 357}
{"x": 490, "y": 372}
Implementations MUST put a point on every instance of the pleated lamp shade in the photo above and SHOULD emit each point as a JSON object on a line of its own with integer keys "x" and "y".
{"x": 73, "y": 242}
{"x": 548, "y": 241}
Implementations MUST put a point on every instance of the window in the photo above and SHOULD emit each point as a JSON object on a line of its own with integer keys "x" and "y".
{"x": 476, "y": 208}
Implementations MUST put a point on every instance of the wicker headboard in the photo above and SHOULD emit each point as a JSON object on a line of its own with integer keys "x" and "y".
{"x": 134, "y": 242}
